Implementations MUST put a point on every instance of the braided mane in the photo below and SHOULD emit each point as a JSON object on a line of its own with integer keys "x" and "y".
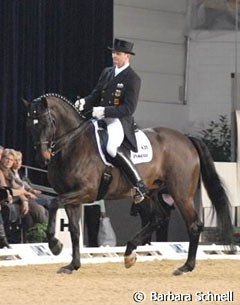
{"x": 63, "y": 98}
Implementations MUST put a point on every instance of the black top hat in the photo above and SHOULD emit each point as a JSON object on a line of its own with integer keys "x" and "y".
{"x": 122, "y": 46}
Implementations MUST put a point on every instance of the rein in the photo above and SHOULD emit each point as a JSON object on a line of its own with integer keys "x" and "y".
{"x": 57, "y": 145}
{"x": 83, "y": 126}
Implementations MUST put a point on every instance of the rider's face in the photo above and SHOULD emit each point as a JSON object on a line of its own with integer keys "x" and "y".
{"x": 120, "y": 58}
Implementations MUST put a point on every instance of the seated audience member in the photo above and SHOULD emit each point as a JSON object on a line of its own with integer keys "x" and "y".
{"x": 5, "y": 197}
{"x": 24, "y": 206}
{"x": 8, "y": 157}
{"x": 92, "y": 213}
{"x": 146, "y": 211}
{"x": 40, "y": 198}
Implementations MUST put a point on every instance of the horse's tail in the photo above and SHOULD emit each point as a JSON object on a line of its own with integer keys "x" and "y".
{"x": 215, "y": 190}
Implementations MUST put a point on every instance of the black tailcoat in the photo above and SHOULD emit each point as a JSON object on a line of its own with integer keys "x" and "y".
{"x": 119, "y": 96}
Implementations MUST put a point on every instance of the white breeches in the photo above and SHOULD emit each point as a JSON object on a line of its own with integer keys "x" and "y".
{"x": 115, "y": 135}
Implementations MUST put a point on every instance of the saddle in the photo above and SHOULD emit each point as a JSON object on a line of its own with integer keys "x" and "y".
{"x": 143, "y": 155}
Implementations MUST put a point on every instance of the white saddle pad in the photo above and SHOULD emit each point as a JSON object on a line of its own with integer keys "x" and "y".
{"x": 143, "y": 155}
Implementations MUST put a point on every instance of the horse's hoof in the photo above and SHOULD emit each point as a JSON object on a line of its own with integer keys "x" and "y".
{"x": 183, "y": 270}
{"x": 56, "y": 248}
{"x": 68, "y": 269}
{"x": 130, "y": 260}
{"x": 64, "y": 270}
{"x": 177, "y": 272}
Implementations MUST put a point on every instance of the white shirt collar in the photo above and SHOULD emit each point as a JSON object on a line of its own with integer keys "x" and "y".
{"x": 118, "y": 70}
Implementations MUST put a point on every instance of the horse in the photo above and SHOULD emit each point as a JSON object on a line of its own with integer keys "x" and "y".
{"x": 66, "y": 141}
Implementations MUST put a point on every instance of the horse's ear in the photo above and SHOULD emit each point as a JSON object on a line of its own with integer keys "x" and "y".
{"x": 25, "y": 102}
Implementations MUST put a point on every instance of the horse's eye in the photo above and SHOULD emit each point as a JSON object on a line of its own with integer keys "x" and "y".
{"x": 35, "y": 122}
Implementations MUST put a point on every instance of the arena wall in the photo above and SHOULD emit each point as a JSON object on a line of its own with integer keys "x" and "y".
{"x": 186, "y": 75}
{"x": 156, "y": 27}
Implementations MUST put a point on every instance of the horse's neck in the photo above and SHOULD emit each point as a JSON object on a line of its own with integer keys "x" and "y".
{"x": 68, "y": 119}
{"x": 71, "y": 126}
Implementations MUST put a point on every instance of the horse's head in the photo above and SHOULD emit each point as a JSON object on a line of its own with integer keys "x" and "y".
{"x": 41, "y": 124}
{"x": 53, "y": 122}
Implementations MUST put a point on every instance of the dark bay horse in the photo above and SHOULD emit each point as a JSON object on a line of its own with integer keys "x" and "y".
{"x": 67, "y": 141}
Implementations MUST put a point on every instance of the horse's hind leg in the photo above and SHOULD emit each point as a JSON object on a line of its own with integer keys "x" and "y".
{"x": 54, "y": 244}
{"x": 194, "y": 228}
{"x": 156, "y": 220}
{"x": 73, "y": 213}
{"x": 129, "y": 256}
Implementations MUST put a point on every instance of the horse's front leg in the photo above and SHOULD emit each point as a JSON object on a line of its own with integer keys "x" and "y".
{"x": 73, "y": 213}
{"x": 54, "y": 244}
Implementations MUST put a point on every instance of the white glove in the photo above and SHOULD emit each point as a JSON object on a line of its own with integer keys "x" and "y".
{"x": 98, "y": 112}
{"x": 79, "y": 104}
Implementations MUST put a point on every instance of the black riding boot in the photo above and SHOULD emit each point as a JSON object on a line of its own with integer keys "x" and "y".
{"x": 3, "y": 238}
{"x": 128, "y": 168}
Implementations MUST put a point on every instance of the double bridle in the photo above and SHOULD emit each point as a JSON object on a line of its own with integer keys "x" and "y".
{"x": 54, "y": 144}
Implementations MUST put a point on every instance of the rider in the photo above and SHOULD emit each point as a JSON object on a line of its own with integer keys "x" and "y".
{"x": 114, "y": 99}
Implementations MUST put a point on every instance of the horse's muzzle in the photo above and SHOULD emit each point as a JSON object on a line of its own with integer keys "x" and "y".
{"x": 42, "y": 158}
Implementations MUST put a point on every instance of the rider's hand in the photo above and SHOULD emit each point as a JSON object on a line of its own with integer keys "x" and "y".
{"x": 79, "y": 104}
{"x": 98, "y": 112}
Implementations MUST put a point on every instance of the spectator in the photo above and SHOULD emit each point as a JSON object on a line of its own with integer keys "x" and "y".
{"x": 92, "y": 213}
{"x": 24, "y": 207}
{"x": 6, "y": 180}
{"x": 40, "y": 198}
{"x": 5, "y": 196}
